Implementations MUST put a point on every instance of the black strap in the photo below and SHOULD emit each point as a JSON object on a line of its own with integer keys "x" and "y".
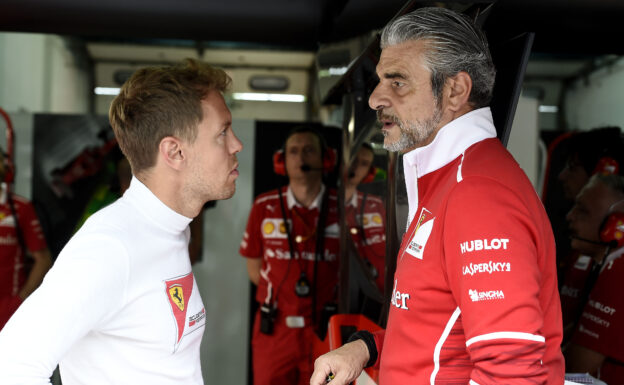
{"x": 290, "y": 246}
{"x": 369, "y": 340}
{"x": 18, "y": 229}
{"x": 319, "y": 249}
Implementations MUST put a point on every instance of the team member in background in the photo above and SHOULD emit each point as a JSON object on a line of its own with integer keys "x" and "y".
{"x": 366, "y": 215}
{"x": 291, "y": 246}
{"x": 597, "y": 227}
{"x": 475, "y": 289}
{"x": 20, "y": 234}
{"x": 597, "y": 151}
{"x": 121, "y": 305}
{"x": 590, "y": 209}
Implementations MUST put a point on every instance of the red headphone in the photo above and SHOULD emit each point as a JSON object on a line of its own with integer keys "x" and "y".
{"x": 612, "y": 230}
{"x": 9, "y": 166}
{"x": 607, "y": 166}
{"x": 370, "y": 177}
{"x": 279, "y": 161}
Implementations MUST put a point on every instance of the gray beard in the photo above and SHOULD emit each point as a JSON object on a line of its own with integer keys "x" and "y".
{"x": 414, "y": 134}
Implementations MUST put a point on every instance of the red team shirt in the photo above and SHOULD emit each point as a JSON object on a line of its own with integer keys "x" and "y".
{"x": 601, "y": 327}
{"x": 372, "y": 221}
{"x": 265, "y": 237}
{"x": 12, "y": 274}
{"x": 475, "y": 290}
{"x": 572, "y": 291}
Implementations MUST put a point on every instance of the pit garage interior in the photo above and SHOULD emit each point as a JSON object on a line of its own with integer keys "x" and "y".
{"x": 290, "y": 61}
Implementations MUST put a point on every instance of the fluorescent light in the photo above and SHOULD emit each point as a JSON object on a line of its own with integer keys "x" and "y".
{"x": 548, "y": 109}
{"x": 106, "y": 91}
{"x": 338, "y": 71}
{"x": 262, "y": 97}
{"x": 333, "y": 71}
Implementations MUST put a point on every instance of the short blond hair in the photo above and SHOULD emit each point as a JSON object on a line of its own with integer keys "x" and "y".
{"x": 157, "y": 102}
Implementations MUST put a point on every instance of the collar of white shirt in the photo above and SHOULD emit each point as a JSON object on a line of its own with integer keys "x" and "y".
{"x": 291, "y": 201}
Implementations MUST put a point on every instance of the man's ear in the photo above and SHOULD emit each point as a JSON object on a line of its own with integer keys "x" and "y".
{"x": 170, "y": 152}
{"x": 458, "y": 90}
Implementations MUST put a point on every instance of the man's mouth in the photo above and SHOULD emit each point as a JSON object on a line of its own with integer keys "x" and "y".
{"x": 387, "y": 121}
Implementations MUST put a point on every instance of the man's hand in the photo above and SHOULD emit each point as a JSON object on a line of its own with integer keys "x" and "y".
{"x": 345, "y": 363}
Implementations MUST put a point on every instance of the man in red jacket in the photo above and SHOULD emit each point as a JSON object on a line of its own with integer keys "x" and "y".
{"x": 475, "y": 289}
{"x": 19, "y": 230}
{"x": 291, "y": 247}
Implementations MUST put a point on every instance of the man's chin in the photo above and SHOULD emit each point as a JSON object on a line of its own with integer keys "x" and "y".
{"x": 224, "y": 194}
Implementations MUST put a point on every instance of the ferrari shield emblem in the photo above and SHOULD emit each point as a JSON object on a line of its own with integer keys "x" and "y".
{"x": 179, "y": 291}
{"x": 176, "y": 292}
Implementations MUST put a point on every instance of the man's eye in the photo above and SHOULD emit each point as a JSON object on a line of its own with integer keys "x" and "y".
{"x": 397, "y": 84}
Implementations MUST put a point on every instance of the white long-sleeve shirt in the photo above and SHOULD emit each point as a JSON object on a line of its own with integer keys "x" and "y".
{"x": 120, "y": 305}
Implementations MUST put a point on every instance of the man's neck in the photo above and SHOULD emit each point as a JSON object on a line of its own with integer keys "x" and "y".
{"x": 349, "y": 191}
{"x": 305, "y": 191}
{"x": 171, "y": 194}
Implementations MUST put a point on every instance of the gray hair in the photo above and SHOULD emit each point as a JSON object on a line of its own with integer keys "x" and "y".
{"x": 455, "y": 44}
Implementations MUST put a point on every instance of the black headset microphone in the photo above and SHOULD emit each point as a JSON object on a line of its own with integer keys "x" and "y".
{"x": 611, "y": 245}
{"x": 308, "y": 168}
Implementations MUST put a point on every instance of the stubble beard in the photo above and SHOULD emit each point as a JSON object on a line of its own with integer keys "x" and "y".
{"x": 411, "y": 134}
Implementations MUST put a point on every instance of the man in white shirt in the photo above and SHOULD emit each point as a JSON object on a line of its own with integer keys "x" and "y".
{"x": 121, "y": 304}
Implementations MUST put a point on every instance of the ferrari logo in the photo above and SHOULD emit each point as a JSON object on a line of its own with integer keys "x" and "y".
{"x": 177, "y": 296}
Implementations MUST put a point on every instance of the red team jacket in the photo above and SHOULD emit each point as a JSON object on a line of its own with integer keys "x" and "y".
{"x": 475, "y": 290}
{"x": 12, "y": 272}
{"x": 265, "y": 237}
{"x": 11, "y": 256}
{"x": 572, "y": 291}
{"x": 601, "y": 327}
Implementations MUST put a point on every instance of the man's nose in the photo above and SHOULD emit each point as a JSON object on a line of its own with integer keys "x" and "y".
{"x": 237, "y": 145}
{"x": 378, "y": 99}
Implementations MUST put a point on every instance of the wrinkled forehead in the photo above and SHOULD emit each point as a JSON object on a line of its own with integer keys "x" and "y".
{"x": 402, "y": 58}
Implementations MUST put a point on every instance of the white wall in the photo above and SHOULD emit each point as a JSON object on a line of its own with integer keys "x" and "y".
{"x": 38, "y": 73}
{"x": 222, "y": 275}
{"x": 524, "y": 137}
{"x": 597, "y": 100}
{"x": 256, "y": 110}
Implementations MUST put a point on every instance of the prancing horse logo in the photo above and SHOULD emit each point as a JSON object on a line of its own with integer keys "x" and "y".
{"x": 176, "y": 292}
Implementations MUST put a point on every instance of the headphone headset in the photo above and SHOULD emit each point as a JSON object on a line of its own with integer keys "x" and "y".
{"x": 607, "y": 166}
{"x": 370, "y": 176}
{"x": 9, "y": 166}
{"x": 329, "y": 154}
{"x": 612, "y": 230}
